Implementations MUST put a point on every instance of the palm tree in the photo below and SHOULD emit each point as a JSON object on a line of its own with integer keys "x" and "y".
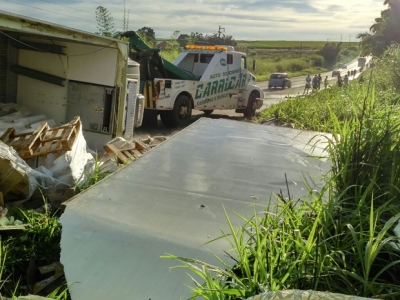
{"x": 384, "y": 32}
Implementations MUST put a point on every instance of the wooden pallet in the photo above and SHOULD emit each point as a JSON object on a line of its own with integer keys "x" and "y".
{"x": 24, "y": 143}
{"x": 126, "y": 155}
{"x": 43, "y": 140}
{"x": 123, "y": 155}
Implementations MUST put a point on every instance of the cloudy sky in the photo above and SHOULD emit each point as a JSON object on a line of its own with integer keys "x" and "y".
{"x": 243, "y": 19}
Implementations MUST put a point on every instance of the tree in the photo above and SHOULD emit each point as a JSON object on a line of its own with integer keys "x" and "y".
{"x": 175, "y": 34}
{"x": 183, "y": 40}
{"x": 148, "y": 34}
{"x": 384, "y": 32}
{"x": 330, "y": 52}
{"x": 105, "y": 23}
{"x": 199, "y": 38}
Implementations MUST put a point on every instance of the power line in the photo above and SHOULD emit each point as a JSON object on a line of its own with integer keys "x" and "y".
{"x": 91, "y": 21}
{"x": 49, "y": 11}
{"x": 68, "y": 7}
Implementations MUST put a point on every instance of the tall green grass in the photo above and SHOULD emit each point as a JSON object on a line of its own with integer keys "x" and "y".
{"x": 39, "y": 242}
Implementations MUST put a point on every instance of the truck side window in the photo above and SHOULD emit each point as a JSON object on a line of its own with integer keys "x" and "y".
{"x": 196, "y": 58}
{"x": 243, "y": 62}
{"x": 206, "y": 58}
{"x": 230, "y": 59}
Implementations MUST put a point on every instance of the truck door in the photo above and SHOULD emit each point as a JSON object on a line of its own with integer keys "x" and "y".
{"x": 243, "y": 72}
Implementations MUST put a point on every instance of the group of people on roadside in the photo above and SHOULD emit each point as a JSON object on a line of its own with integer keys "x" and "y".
{"x": 315, "y": 83}
{"x": 342, "y": 81}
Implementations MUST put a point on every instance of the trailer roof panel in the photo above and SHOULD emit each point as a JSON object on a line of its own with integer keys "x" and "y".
{"x": 172, "y": 200}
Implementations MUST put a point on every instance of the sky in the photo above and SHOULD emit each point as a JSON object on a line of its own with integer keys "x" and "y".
{"x": 296, "y": 20}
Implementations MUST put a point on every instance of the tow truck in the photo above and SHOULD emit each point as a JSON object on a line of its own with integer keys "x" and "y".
{"x": 203, "y": 78}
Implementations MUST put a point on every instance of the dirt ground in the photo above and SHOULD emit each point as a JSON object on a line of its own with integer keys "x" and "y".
{"x": 143, "y": 132}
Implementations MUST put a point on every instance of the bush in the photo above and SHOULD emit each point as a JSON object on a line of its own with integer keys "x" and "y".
{"x": 387, "y": 72}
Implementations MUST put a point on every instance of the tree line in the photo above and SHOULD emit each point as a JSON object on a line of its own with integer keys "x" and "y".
{"x": 106, "y": 27}
{"x": 384, "y": 32}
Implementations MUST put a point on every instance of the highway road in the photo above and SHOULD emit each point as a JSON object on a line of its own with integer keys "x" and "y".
{"x": 272, "y": 96}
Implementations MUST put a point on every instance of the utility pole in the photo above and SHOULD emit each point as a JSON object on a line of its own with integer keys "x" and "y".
{"x": 349, "y": 38}
{"x": 341, "y": 37}
{"x": 301, "y": 48}
{"x": 219, "y": 31}
{"x": 125, "y": 25}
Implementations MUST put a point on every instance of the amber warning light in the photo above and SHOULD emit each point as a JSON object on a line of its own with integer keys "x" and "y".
{"x": 198, "y": 47}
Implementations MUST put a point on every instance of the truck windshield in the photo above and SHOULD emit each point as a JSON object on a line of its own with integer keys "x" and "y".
{"x": 206, "y": 58}
{"x": 243, "y": 63}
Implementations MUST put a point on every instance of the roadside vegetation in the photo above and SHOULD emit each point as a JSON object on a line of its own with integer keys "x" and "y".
{"x": 294, "y": 58}
{"x": 36, "y": 244}
{"x": 22, "y": 251}
{"x": 343, "y": 238}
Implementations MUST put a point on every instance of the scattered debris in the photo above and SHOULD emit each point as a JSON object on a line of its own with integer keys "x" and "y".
{"x": 49, "y": 162}
{"x": 125, "y": 151}
{"x": 43, "y": 140}
{"x": 41, "y": 167}
{"x": 46, "y": 285}
{"x": 154, "y": 141}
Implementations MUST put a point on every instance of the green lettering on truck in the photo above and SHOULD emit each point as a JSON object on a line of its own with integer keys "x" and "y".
{"x": 221, "y": 85}
{"x": 207, "y": 90}
{"x": 199, "y": 87}
{"x": 214, "y": 87}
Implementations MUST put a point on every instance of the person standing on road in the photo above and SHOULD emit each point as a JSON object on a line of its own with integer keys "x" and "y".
{"x": 308, "y": 84}
{"x": 339, "y": 81}
{"x": 326, "y": 82}
{"x": 319, "y": 81}
{"x": 346, "y": 79}
{"x": 315, "y": 83}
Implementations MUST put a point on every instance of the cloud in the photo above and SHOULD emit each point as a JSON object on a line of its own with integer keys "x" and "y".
{"x": 248, "y": 19}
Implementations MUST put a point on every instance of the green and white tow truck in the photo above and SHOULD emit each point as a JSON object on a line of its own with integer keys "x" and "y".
{"x": 203, "y": 78}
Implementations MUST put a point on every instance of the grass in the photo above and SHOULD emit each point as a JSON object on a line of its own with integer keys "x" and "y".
{"x": 38, "y": 243}
{"x": 94, "y": 176}
{"x": 339, "y": 239}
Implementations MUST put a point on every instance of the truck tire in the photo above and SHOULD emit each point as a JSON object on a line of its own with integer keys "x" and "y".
{"x": 250, "y": 111}
{"x": 208, "y": 112}
{"x": 182, "y": 112}
{"x": 166, "y": 118}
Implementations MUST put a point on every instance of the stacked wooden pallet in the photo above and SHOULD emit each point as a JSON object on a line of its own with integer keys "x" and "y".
{"x": 43, "y": 140}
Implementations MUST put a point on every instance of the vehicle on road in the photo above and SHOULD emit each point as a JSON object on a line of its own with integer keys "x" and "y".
{"x": 335, "y": 73}
{"x": 281, "y": 80}
{"x": 202, "y": 78}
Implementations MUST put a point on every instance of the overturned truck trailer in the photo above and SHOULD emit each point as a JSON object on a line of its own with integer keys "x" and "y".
{"x": 62, "y": 73}
{"x": 172, "y": 200}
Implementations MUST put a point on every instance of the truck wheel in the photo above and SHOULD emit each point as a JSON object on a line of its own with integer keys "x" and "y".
{"x": 182, "y": 112}
{"x": 166, "y": 118}
{"x": 208, "y": 112}
{"x": 250, "y": 111}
